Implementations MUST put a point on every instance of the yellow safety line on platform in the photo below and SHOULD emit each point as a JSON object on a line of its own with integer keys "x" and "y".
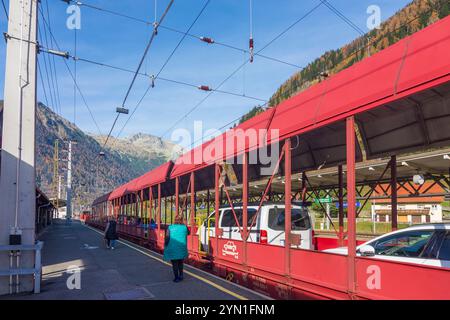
{"x": 215, "y": 285}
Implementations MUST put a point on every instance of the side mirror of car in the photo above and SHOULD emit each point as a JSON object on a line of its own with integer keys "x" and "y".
{"x": 367, "y": 251}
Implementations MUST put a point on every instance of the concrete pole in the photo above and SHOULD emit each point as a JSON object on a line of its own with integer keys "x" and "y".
{"x": 17, "y": 176}
{"x": 69, "y": 184}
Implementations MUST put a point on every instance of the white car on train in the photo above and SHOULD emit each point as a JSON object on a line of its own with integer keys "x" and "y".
{"x": 424, "y": 244}
{"x": 269, "y": 226}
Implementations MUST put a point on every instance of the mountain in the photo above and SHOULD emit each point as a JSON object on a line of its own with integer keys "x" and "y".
{"x": 93, "y": 174}
{"x": 412, "y": 18}
{"x": 141, "y": 151}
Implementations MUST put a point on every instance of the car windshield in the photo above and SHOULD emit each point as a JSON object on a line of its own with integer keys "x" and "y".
{"x": 405, "y": 244}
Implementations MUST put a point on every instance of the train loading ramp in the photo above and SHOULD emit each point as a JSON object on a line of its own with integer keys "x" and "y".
{"x": 394, "y": 105}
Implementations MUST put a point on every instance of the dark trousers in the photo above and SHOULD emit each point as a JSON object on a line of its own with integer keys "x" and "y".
{"x": 177, "y": 267}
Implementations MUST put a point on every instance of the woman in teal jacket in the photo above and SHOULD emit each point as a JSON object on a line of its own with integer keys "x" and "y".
{"x": 175, "y": 249}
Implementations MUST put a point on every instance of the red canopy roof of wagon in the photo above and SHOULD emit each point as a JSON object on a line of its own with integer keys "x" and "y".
{"x": 101, "y": 199}
{"x": 119, "y": 191}
{"x": 413, "y": 64}
{"x": 153, "y": 177}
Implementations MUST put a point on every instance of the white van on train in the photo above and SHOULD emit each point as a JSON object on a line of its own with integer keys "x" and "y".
{"x": 268, "y": 229}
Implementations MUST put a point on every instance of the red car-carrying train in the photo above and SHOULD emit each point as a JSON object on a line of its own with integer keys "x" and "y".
{"x": 399, "y": 102}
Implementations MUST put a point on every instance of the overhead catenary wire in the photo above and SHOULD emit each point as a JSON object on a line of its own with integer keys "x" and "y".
{"x": 150, "y": 77}
{"x": 73, "y": 78}
{"x": 380, "y": 37}
{"x": 338, "y": 13}
{"x": 53, "y": 91}
{"x": 47, "y": 77}
{"x": 53, "y": 60}
{"x": 5, "y": 10}
{"x": 370, "y": 43}
{"x": 164, "y": 65}
{"x": 42, "y": 82}
{"x": 304, "y": 16}
{"x": 201, "y": 38}
{"x": 251, "y": 41}
{"x": 137, "y": 71}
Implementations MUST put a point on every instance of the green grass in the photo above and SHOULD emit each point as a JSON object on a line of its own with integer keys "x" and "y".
{"x": 365, "y": 227}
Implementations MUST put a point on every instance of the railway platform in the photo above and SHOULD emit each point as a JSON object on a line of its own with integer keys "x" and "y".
{"x": 129, "y": 272}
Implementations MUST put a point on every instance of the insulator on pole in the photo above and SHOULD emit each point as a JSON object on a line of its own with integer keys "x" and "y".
{"x": 207, "y": 40}
{"x": 205, "y": 88}
{"x": 152, "y": 79}
{"x": 251, "y": 47}
{"x": 155, "y": 28}
{"x": 250, "y": 42}
{"x": 63, "y": 54}
{"x": 122, "y": 110}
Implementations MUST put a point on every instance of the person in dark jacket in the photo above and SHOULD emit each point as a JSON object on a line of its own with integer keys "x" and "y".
{"x": 111, "y": 233}
{"x": 175, "y": 249}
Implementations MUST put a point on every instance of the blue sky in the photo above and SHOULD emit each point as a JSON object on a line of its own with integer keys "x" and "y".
{"x": 119, "y": 41}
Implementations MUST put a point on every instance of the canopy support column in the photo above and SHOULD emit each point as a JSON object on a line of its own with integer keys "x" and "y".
{"x": 158, "y": 216}
{"x": 351, "y": 201}
{"x": 192, "y": 222}
{"x": 341, "y": 205}
{"x": 245, "y": 204}
{"x": 177, "y": 196}
{"x": 208, "y": 199}
{"x": 394, "y": 200}
{"x": 287, "y": 205}
{"x": 216, "y": 205}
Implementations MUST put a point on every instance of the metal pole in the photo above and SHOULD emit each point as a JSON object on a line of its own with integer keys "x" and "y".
{"x": 171, "y": 209}
{"x": 303, "y": 188}
{"x": 245, "y": 204}
{"x": 351, "y": 205}
{"x": 158, "y": 218}
{"x": 165, "y": 210}
{"x": 69, "y": 184}
{"x": 394, "y": 192}
{"x": 341, "y": 205}
{"x": 327, "y": 208}
{"x": 287, "y": 207}
{"x": 216, "y": 206}
{"x": 208, "y": 199}
{"x": 177, "y": 196}
{"x": 192, "y": 222}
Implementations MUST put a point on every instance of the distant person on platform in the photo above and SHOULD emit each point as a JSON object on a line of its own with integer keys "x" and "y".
{"x": 111, "y": 233}
{"x": 175, "y": 246}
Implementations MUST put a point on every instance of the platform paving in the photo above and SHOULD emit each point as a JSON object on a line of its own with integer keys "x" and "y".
{"x": 128, "y": 272}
